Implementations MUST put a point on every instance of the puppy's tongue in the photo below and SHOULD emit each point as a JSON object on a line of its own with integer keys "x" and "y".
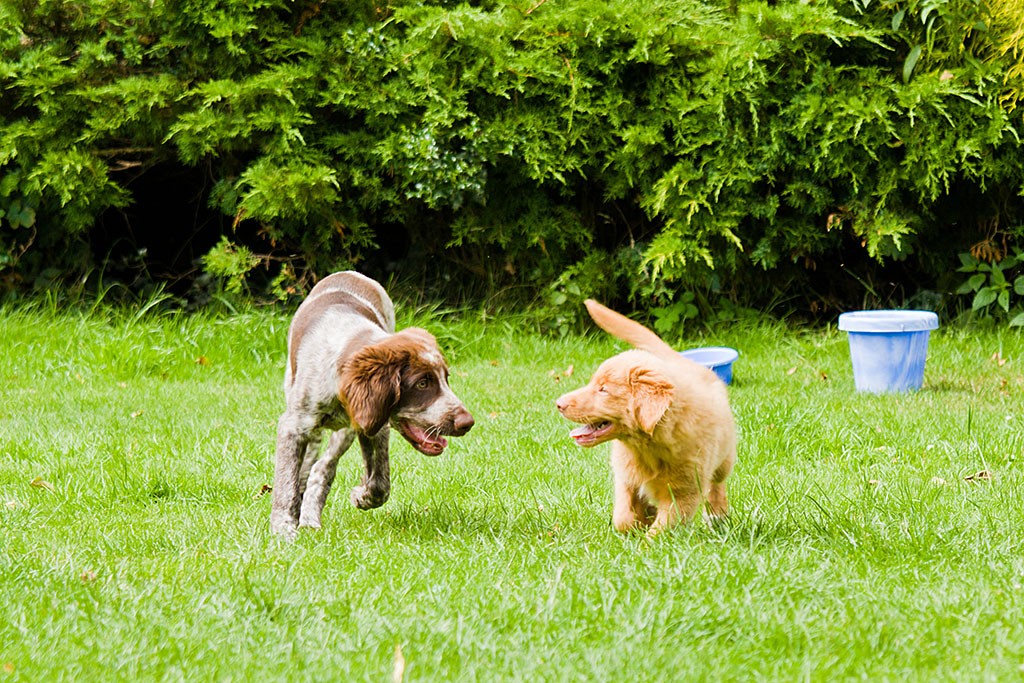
{"x": 430, "y": 444}
{"x": 585, "y": 430}
{"x": 589, "y": 433}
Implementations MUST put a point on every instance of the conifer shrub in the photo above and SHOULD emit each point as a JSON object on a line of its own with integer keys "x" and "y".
{"x": 544, "y": 147}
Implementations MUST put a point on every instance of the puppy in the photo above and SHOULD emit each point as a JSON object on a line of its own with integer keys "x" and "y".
{"x": 349, "y": 371}
{"x": 668, "y": 418}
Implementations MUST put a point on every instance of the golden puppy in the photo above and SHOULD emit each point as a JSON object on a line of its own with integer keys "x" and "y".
{"x": 672, "y": 432}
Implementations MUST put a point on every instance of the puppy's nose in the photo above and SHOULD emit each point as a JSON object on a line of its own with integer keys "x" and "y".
{"x": 561, "y": 404}
{"x": 463, "y": 422}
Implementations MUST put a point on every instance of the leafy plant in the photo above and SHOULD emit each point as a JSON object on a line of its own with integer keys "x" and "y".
{"x": 232, "y": 263}
{"x": 670, "y": 319}
{"x": 995, "y": 285}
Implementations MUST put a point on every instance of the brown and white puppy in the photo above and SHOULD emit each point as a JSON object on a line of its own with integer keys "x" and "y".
{"x": 349, "y": 371}
{"x": 672, "y": 432}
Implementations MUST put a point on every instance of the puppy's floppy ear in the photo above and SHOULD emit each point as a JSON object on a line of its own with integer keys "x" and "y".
{"x": 370, "y": 385}
{"x": 651, "y": 394}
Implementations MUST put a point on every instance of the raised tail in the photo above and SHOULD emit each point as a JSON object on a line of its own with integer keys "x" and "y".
{"x": 628, "y": 330}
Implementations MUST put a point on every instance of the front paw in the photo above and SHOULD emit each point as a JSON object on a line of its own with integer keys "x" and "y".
{"x": 284, "y": 526}
{"x": 368, "y": 497}
{"x": 309, "y": 521}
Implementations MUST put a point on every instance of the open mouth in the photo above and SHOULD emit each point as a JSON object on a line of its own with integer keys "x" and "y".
{"x": 426, "y": 441}
{"x": 592, "y": 433}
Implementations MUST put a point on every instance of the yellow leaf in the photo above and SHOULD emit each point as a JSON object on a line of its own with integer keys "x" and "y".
{"x": 41, "y": 483}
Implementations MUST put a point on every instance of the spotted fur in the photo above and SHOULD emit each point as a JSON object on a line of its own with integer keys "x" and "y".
{"x": 350, "y": 372}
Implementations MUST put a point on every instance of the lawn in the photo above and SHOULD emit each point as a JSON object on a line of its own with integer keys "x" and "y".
{"x": 871, "y": 537}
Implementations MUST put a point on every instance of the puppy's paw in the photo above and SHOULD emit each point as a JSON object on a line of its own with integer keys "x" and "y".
{"x": 309, "y": 521}
{"x": 716, "y": 521}
{"x": 284, "y": 526}
{"x": 368, "y": 497}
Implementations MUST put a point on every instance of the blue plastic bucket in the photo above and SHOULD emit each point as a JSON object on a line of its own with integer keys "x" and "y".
{"x": 888, "y": 348}
{"x": 717, "y": 358}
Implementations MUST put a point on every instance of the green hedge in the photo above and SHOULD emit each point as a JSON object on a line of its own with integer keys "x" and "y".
{"x": 571, "y": 145}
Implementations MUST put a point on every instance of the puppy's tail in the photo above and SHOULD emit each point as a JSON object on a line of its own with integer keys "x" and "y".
{"x": 629, "y": 331}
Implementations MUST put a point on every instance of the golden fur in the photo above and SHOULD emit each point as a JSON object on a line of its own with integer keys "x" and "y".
{"x": 672, "y": 431}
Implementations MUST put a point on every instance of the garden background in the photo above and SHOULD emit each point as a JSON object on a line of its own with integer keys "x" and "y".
{"x": 681, "y": 157}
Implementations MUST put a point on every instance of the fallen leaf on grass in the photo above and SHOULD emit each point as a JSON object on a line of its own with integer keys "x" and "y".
{"x": 88, "y": 576}
{"x": 494, "y": 363}
{"x": 791, "y": 371}
{"x": 136, "y": 414}
{"x": 203, "y": 360}
{"x": 398, "y": 673}
{"x": 874, "y": 482}
{"x": 264, "y": 490}
{"x": 983, "y": 475}
{"x": 557, "y": 376}
{"x": 997, "y": 357}
{"x": 12, "y": 504}
{"x": 8, "y": 667}
{"x": 41, "y": 483}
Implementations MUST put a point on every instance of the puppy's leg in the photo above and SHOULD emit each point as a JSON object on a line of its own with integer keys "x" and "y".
{"x": 630, "y": 510}
{"x": 674, "y": 506}
{"x": 293, "y": 436}
{"x": 718, "y": 501}
{"x": 309, "y": 457}
{"x": 321, "y": 476}
{"x": 376, "y": 486}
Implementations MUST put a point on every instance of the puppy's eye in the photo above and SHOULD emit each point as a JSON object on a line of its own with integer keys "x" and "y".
{"x": 423, "y": 383}
{"x": 601, "y": 390}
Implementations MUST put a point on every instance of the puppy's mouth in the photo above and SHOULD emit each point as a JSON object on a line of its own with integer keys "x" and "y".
{"x": 592, "y": 433}
{"x": 426, "y": 441}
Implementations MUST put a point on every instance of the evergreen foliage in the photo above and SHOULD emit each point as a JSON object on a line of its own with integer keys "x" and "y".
{"x": 632, "y": 148}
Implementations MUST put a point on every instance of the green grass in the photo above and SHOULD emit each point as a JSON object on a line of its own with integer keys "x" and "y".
{"x": 134, "y": 542}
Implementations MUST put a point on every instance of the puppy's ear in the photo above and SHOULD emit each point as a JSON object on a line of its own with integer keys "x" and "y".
{"x": 370, "y": 385}
{"x": 652, "y": 395}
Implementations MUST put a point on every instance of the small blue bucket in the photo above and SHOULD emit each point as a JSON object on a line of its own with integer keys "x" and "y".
{"x": 717, "y": 358}
{"x": 888, "y": 348}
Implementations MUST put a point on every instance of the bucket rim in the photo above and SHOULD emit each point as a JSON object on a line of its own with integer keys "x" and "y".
{"x": 717, "y": 356}
{"x": 892, "y": 320}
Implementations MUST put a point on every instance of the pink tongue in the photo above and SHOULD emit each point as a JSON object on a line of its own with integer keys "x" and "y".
{"x": 582, "y": 431}
{"x": 421, "y": 436}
